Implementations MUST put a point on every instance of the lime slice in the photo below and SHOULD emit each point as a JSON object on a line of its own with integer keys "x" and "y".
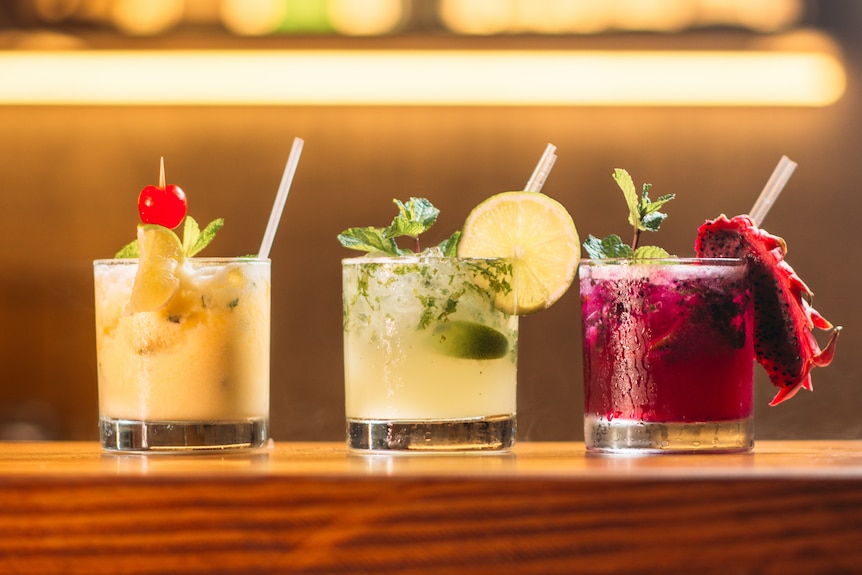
{"x": 156, "y": 282}
{"x": 469, "y": 340}
{"x": 537, "y": 235}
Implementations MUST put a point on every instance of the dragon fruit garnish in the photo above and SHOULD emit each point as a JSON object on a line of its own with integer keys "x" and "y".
{"x": 784, "y": 342}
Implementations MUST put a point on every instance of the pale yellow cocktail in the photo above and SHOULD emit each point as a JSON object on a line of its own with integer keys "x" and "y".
{"x": 430, "y": 362}
{"x": 192, "y": 374}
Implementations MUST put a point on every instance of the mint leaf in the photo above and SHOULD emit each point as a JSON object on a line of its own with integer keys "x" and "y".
{"x": 449, "y": 246}
{"x": 651, "y": 218}
{"x": 201, "y": 239}
{"x": 194, "y": 240}
{"x": 627, "y": 185}
{"x": 191, "y": 233}
{"x": 647, "y": 252}
{"x": 403, "y": 227}
{"x": 644, "y": 215}
{"x": 609, "y": 247}
{"x": 369, "y": 239}
{"x": 652, "y": 222}
{"x": 130, "y": 250}
{"x": 650, "y": 207}
{"x": 414, "y": 218}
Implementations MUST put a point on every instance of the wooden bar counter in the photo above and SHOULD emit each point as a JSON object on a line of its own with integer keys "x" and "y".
{"x": 788, "y": 507}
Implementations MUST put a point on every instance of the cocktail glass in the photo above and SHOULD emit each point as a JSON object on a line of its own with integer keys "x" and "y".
{"x": 430, "y": 363}
{"x": 668, "y": 355}
{"x": 193, "y": 375}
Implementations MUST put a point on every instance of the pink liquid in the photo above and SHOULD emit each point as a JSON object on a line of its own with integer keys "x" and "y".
{"x": 667, "y": 342}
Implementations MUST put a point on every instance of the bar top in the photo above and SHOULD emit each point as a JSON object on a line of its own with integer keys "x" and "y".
{"x": 783, "y": 460}
{"x": 786, "y": 507}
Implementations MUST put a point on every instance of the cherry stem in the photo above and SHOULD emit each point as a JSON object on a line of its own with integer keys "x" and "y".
{"x": 162, "y": 173}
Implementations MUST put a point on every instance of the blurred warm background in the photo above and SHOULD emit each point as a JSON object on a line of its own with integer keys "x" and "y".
{"x": 78, "y": 142}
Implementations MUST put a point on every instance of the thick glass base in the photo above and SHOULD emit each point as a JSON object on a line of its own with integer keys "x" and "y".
{"x": 495, "y": 433}
{"x": 182, "y": 436}
{"x": 633, "y": 436}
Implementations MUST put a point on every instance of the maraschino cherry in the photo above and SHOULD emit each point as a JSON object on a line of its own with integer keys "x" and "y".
{"x": 165, "y": 205}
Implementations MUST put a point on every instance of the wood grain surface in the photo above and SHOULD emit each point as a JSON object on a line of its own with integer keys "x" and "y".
{"x": 788, "y": 507}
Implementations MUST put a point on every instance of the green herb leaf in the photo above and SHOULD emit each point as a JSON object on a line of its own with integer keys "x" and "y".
{"x": 647, "y": 252}
{"x": 644, "y": 215}
{"x": 651, "y": 218}
{"x": 609, "y": 247}
{"x": 369, "y": 239}
{"x": 130, "y": 250}
{"x": 652, "y": 222}
{"x": 643, "y": 212}
{"x": 198, "y": 239}
{"x": 194, "y": 240}
{"x": 497, "y": 274}
{"x": 627, "y": 185}
{"x": 191, "y": 233}
{"x": 449, "y": 246}
{"x": 414, "y": 218}
{"x": 653, "y": 206}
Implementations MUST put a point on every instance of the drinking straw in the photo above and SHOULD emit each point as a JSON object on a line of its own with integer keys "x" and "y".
{"x": 773, "y": 187}
{"x": 543, "y": 168}
{"x": 280, "y": 198}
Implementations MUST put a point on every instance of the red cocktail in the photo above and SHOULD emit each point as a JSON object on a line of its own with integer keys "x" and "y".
{"x": 668, "y": 355}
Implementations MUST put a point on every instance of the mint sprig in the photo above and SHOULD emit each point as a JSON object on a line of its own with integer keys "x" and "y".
{"x": 414, "y": 218}
{"x": 194, "y": 239}
{"x": 644, "y": 216}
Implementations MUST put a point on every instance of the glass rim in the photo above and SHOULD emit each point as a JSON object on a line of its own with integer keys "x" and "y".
{"x": 414, "y": 258}
{"x": 662, "y": 261}
{"x": 205, "y": 260}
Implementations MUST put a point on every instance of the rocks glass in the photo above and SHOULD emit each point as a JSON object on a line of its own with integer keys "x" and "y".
{"x": 668, "y": 355}
{"x": 430, "y": 363}
{"x": 193, "y": 375}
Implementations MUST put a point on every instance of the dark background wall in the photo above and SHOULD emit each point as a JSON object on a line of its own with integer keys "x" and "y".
{"x": 69, "y": 178}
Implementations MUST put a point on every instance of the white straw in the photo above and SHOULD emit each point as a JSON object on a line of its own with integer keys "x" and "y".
{"x": 773, "y": 187}
{"x": 280, "y": 198}
{"x": 543, "y": 168}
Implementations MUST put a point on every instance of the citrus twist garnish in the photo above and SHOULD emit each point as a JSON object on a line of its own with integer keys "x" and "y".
{"x": 156, "y": 281}
{"x": 537, "y": 235}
